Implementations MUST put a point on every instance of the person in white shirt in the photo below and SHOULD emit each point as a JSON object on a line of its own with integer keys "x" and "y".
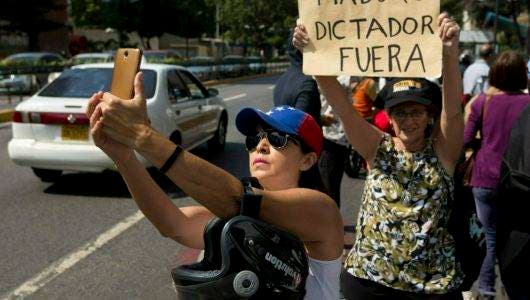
{"x": 476, "y": 75}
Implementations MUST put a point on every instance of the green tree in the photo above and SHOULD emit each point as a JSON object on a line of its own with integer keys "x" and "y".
{"x": 87, "y": 12}
{"x": 29, "y": 17}
{"x": 149, "y": 18}
{"x": 478, "y": 9}
{"x": 260, "y": 23}
{"x": 190, "y": 19}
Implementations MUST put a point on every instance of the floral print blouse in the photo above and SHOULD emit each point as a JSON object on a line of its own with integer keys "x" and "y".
{"x": 401, "y": 237}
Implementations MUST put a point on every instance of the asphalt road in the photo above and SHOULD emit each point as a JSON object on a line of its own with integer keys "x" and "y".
{"x": 82, "y": 237}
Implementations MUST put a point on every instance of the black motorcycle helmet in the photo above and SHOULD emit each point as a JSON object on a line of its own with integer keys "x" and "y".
{"x": 245, "y": 258}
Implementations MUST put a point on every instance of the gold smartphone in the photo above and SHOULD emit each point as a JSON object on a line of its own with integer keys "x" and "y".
{"x": 126, "y": 65}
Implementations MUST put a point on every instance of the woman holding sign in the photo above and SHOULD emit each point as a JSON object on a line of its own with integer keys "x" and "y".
{"x": 403, "y": 249}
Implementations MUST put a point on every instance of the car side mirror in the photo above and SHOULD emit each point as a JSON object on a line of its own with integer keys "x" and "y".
{"x": 213, "y": 92}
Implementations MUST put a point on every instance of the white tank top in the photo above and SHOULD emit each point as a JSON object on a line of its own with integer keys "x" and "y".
{"x": 323, "y": 281}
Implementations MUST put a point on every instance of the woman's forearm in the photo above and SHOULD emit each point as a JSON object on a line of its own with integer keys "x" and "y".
{"x": 452, "y": 85}
{"x": 362, "y": 136}
{"x": 452, "y": 119}
{"x": 216, "y": 189}
{"x": 151, "y": 200}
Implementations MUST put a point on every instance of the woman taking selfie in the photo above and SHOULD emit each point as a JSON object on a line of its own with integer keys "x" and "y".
{"x": 283, "y": 146}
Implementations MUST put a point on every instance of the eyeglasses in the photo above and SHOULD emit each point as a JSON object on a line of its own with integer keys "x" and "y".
{"x": 401, "y": 115}
{"x": 276, "y": 139}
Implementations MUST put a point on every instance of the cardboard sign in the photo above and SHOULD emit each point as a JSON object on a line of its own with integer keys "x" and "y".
{"x": 383, "y": 38}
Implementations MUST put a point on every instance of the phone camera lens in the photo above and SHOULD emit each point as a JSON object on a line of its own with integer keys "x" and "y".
{"x": 126, "y": 53}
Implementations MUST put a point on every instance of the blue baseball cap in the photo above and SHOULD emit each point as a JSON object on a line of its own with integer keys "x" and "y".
{"x": 285, "y": 119}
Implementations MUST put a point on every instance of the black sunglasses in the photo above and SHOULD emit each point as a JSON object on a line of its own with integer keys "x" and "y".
{"x": 276, "y": 139}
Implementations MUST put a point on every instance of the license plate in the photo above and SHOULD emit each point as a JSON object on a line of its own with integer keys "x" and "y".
{"x": 74, "y": 132}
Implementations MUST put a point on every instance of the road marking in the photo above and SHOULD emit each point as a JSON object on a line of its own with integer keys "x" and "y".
{"x": 235, "y": 97}
{"x": 271, "y": 87}
{"x": 60, "y": 266}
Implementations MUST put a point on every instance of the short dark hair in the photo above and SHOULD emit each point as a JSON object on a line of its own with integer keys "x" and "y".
{"x": 485, "y": 51}
{"x": 508, "y": 73}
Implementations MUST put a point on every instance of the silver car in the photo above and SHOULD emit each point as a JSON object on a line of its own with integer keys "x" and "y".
{"x": 27, "y": 83}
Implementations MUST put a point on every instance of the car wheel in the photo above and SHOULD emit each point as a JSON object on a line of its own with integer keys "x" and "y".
{"x": 218, "y": 142}
{"x": 47, "y": 175}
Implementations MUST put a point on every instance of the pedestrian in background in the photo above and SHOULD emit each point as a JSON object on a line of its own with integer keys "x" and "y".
{"x": 335, "y": 150}
{"x": 466, "y": 59}
{"x": 364, "y": 95}
{"x": 381, "y": 118}
{"x": 476, "y": 75}
{"x": 513, "y": 226}
{"x": 493, "y": 115}
{"x": 296, "y": 89}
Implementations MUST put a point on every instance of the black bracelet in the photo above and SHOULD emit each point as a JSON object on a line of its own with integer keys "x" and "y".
{"x": 250, "y": 203}
{"x": 171, "y": 160}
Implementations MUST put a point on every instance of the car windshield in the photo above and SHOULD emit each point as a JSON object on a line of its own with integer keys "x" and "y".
{"x": 82, "y": 83}
{"x": 22, "y": 58}
{"x": 159, "y": 55}
{"x": 89, "y": 60}
{"x": 155, "y": 57}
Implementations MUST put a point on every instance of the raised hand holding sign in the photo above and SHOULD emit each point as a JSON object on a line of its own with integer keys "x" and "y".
{"x": 372, "y": 37}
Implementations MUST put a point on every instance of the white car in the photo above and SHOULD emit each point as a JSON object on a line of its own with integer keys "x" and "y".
{"x": 94, "y": 57}
{"x": 50, "y": 129}
{"x": 27, "y": 83}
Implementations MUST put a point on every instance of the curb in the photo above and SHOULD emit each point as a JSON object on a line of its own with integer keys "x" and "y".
{"x": 6, "y": 115}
